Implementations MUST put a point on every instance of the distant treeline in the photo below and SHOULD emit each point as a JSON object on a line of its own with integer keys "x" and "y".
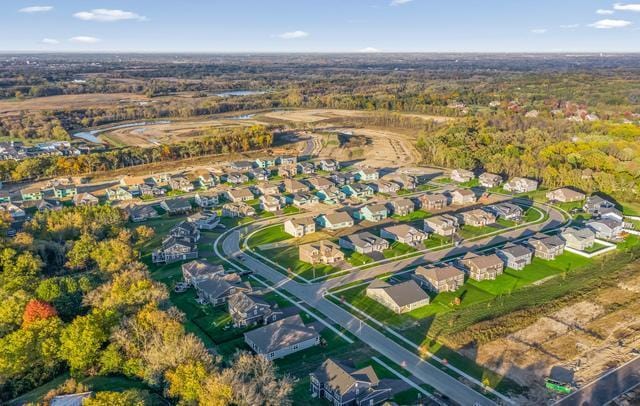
{"x": 214, "y": 141}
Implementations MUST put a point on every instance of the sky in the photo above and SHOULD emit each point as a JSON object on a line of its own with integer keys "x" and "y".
{"x": 320, "y": 26}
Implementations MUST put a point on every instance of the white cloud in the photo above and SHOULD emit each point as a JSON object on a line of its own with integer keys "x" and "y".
{"x": 570, "y": 26}
{"x": 107, "y": 15}
{"x": 627, "y": 7}
{"x": 369, "y": 50}
{"x": 539, "y": 31}
{"x": 83, "y": 39}
{"x": 293, "y": 34}
{"x": 399, "y": 2}
{"x": 603, "y": 12}
{"x": 608, "y": 24}
{"x": 35, "y": 9}
{"x": 50, "y": 41}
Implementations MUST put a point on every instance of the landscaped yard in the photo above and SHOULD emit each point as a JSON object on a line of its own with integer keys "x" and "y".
{"x": 413, "y": 216}
{"x": 288, "y": 258}
{"x": 268, "y": 235}
{"x": 397, "y": 249}
{"x": 356, "y": 258}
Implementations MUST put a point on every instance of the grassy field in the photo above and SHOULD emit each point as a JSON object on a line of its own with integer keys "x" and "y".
{"x": 288, "y": 258}
{"x": 268, "y": 235}
{"x": 397, "y": 249}
{"x": 416, "y": 215}
{"x": 357, "y": 259}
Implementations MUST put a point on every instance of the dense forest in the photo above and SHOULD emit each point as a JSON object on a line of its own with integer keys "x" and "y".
{"x": 74, "y": 297}
{"x": 211, "y": 141}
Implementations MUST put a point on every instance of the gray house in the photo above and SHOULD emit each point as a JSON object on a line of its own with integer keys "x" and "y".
{"x": 579, "y": 238}
{"x": 198, "y": 270}
{"x": 281, "y": 338}
{"x": 247, "y": 309}
{"x": 344, "y": 386}
{"x": 606, "y": 228}
{"x": 364, "y": 243}
{"x": 547, "y": 246}
{"x": 219, "y": 288}
{"x": 515, "y": 256}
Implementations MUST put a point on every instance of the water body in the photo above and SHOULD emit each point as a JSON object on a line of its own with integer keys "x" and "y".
{"x": 244, "y": 117}
{"x": 239, "y": 93}
{"x": 91, "y": 136}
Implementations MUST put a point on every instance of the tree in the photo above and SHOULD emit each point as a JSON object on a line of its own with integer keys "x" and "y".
{"x": 79, "y": 255}
{"x": 112, "y": 255}
{"x": 11, "y": 310}
{"x": 19, "y": 270}
{"x": 131, "y": 397}
{"x": 185, "y": 381}
{"x": 83, "y": 339}
{"x": 37, "y": 310}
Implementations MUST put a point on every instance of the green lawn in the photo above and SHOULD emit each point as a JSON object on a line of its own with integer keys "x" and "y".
{"x": 288, "y": 258}
{"x": 291, "y": 210}
{"x": 435, "y": 241}
{"x": 467, "y": 231}
{"x": 397, "y": 249}
{"x": 356, "y": 258}
{"x": 268, "y": 235}
{"x": 415, "y": 215}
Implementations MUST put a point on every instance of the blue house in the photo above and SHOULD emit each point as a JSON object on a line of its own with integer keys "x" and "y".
{"x": 372, "y": 212}
{"x": 265, "y": 162}
{"x": 358, "y": 190}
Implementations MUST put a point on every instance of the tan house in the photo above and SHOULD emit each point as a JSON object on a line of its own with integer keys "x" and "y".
{"x": 294, "y": 186}
{"x": 239, "y": 195}
{"x": 565, "y": 195}
{"x": 461, "y": 175}
{"x": 433, "y": 201}
{"x": 490, "y": 180}
{"x": 482, "y": 267}
{"x": 579, "y": 238}
{"x": 445, "y": 225}
{"x": 463, "y": 196}
{"x": 404, "y": 233}
{"x": 300, "y": 227}
{"x": 321, "y": 252}
{"x": 439, "y": 279}
{"x": 547, "y": 246}
{"x": 401, "y": 298}
{"x": 478, "y": 218}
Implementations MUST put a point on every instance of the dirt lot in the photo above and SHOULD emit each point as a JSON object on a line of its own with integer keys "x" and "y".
{"x": 316, "y": 115}
{"x": 579, "y": 342}
{"x": 8, "y": 107}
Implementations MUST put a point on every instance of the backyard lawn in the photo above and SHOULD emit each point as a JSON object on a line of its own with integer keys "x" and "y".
{"x": 413, "y": 216}
{"x": 268, "y": 235}
{"x": 397, "y": 249}
{"x": 288, "y": 258}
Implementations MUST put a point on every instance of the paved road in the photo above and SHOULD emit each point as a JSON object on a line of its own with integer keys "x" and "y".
{"x": 606, "y": 388}
{"x": 312, "y": 296}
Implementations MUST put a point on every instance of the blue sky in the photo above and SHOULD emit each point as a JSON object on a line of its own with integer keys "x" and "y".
{"x": 320, "y": 25}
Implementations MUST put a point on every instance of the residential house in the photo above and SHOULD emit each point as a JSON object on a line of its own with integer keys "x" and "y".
{"x": 565, "y": 195}
{"x": 294, "y": 186}
{"x": 606, "y": 228}
{"x": 175, "y": 249}
{"x": 85, "y": 199}
{"x": 282, "y": 337}
{"x": 385, "y": 186}
{"x": 247, "y": 309}
{"x": 595, "y": 204}
{"x": 31, "y": 193}
{"x": 335, "y": 221}
{"x": 305, "y": 168}
{"x": 612, "y": 213}
{"x": 516, "y": 256}
{"x": 186, "y": 229}
{"x": 62, "y": 191}
{"x": 344, "y": 386}
{"x": 547, "y": 246}
{"x": 363, "y": 243}
{"x": 287, "y": 171}
{"x": 329, "y": 165}
{"x": 48, "y": 205}
{"x": 176, "y": 206}
{"x": 241, "y": 165}
{"x": 320, "y": 252}
{"x": 205, "y": 220}
{"x": 181, "y": 183}
{"x": 400, "y": 298}
{"x": 320, "y": 183}
{"x": 439, "y": 279}
{"x": 478, "y": 218}
{"x": 331, "y": 195}
{"x": 507, "y": 211}
{"x": 404, "y": 233}
{"x": 372, "y": 212}
{"x": 405, "y": 181}
{"x": 490, "y": 180}
{"x": 287, "y": 160}
{"x": 138, "y": 213}
{"x": 73, "y": 399}
{"x": 366, "y": 175}
{"x": 579, "y": 238}
{"x": 5, "y": 197}
{"x": 342, "y": 178}
{"x": 14, "y": 211}
{"x": 433, "y": 201}
{"x": 203, "y": 178}
{"x": 358, "y": 190}
{"x": 267, "y": 189}
{"x": 160, "y": 178}
{"x": 219, "y": 288}
{"x": 521, "y": 185}
{"x": 119, "y": 193}
{"x": 259, "y": 174}
{"x": 236, "y": 178}
{"x": 303, "y": 199}
{"x": 300, "y": 227}
{"x": 482, "y": 267}
{"x": 270, "y": 203}
{"x": 239, "y": 195}
{"x": 265, "y": 162}
{"x": 462, "y": 175}
{"x": 463, "y": 196}
{"x": 401, "y": 206}
{"x": 240, "y": 209}
{"x": 199, "y": 270}
{"x": 445, "y": 225}
{"x": 207, "y": 199}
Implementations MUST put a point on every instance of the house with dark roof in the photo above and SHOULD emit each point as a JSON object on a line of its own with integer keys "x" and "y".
{"x": 281, "y": 338}
{"x": 198, "y": 270}
{"x": 186, "y": 229}
{"x": 305, "y": 168}
{"x": 363, "y": 243}
{"x": 344, "y": 386}
{"x": 547, "y": 246}
{"x": 579, "y": 238}
{"x": 439, "y": 279}
{"x": 219, "y": 288}
{"x": 507, "y": 211}
{"x": 606, "y": 228}
{"x": 401, "y": 297}
{"x": 342, "y": 178}
{"x": 175, "y": 249}
{"x": 176, "y": 206}
{"x": 138, "y": 213}
{"x": 516, "y": 256}
{"x": 594, "y": 204}
{"x": 482, "y": 267}
{"x": 247, "y": 309}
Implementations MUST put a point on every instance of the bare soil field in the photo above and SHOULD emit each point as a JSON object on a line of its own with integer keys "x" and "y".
{"x": 9, "y": 107}
{"x": 582, "y": 341}
{"x": 316, "y": 115}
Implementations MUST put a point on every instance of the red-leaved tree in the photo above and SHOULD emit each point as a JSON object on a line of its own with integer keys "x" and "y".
{"x": 37, "y": 310}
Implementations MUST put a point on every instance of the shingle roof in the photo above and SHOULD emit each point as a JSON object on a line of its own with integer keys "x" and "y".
{"x": 438, "y": 273}
{"x": 280, "y": 334}
{"x": 341, "y": 379}
{"x": 403, "y": 293}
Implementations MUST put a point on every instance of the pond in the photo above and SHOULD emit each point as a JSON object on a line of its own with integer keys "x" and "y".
{"x": 239, "y": 93}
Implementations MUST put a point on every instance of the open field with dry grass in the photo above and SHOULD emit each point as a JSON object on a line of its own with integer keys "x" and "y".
{"x": 317, "y": 115}
{"x": 13, "y": 106}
